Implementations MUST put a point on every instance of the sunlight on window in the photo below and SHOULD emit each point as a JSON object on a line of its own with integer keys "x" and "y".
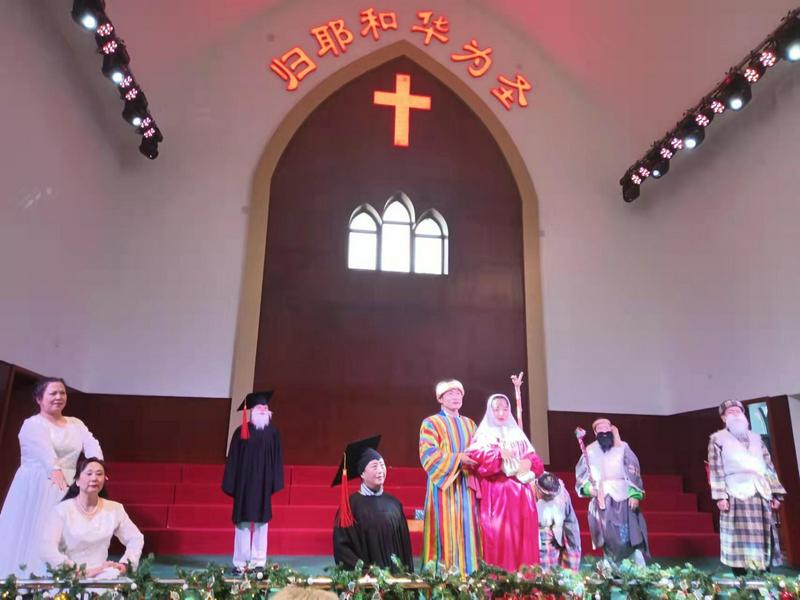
{"x": 362, "y": 247}
{"x": 396, "y": 213}
{"x": 362, "y": 251}
{"x": 385, "y": 243}
{"x": 430, "y": 246}
{"x": 428, "y": 255}
{"x": 396, "y": 247}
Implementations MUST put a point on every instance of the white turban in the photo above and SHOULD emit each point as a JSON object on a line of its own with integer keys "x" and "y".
{"x": 445, "y": 386}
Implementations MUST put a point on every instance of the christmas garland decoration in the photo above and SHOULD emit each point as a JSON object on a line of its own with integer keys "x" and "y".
{"x": 594, "y": 582}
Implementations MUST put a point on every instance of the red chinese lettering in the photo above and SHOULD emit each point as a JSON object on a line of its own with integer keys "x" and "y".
{"x": 481, "y": 61}
{"x": 432, "y": 28}
{"x": 332, "y": 37}
{"x": 291, "y": 72}
{"x": 375, "y": 23}
{"x": 508, "y": 89}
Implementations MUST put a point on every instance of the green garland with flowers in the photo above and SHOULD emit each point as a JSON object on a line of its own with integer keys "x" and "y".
{"x": 594, "y": 582}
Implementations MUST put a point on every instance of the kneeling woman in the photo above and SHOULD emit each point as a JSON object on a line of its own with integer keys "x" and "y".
{"x": 79, "y": 530}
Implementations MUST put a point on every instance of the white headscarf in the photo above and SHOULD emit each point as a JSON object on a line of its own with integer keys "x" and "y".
{"x": 492, "y": 433}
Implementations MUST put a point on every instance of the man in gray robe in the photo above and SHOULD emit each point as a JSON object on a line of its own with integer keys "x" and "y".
{"x": 613, "y": 480}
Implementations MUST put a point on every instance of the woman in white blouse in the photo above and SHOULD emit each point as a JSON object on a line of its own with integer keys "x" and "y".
{"x": 50, "y": 444}
{"x": 79, "y": 530}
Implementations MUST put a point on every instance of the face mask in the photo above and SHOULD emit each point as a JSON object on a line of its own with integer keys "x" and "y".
{"x": 737, "y": 424}
{"x": 606, "y": 440}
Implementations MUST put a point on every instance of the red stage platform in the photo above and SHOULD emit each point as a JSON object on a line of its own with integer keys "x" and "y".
{"x": 181, "y": 510}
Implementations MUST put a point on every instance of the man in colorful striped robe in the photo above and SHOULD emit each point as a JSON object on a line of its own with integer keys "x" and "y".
{"x": 451, "y": 534}
{"x": 744, "y": 484}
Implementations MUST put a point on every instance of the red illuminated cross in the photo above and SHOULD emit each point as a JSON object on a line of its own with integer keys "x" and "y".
{"x": 403, "y": 101}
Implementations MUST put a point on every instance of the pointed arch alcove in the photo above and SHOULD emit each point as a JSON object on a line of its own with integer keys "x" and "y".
{"x": 519, "y": 212}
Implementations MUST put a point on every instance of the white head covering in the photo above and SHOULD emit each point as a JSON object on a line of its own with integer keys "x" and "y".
{"x": 446, "y": 385}
{"x": 491, "y": 433}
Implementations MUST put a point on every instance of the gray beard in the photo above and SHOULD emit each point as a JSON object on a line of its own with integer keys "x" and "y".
{"x": 260, "y": 421}
{"x": 737, "y": 427}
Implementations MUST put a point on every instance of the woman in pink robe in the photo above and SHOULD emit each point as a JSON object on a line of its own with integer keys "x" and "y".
{"x": 507, "y": 466}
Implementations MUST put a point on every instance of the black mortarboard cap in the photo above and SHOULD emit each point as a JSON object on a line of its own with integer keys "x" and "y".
{"x": 358, "y": 454}
{"x": 255, "y": 399}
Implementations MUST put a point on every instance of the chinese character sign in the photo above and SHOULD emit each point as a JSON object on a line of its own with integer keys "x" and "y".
{"x": 333, "y": 37}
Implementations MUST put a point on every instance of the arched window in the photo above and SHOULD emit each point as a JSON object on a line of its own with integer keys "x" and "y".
{"x": 398, "y": 215}
{"x": 430, "y": 244}
{"x": 362, "y": 244}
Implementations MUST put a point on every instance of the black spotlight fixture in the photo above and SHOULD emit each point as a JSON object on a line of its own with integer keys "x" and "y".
{"x": 116, "y": 61}
{"x": 88, "y": 13}
{"x": 657, "y": 163}
{"x": 690, "y": 133}
{"x": 135, "y": 110}
{"x": 150, "y": 141}
{"x": 787, "y": 39}
{"x": 735, "y": 91}
{"x": 116, "y": 66}
{"x": 630, "y": 191}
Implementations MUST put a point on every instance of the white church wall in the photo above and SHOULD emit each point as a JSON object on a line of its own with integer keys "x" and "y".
{"x": 674, "y": 303}
{"x": 55, "y": 232}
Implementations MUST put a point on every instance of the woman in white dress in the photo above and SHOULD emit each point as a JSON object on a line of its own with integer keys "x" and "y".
{"x": 80, "y": 528}
{"x": 50, "y": 444}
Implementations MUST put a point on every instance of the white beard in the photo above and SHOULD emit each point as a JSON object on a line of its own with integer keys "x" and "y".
{"x": 737, "y": 424}
{"x": 260, "y": 420}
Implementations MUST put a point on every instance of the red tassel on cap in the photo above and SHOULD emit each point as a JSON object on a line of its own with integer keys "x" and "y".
{"x": 245, "y": 434}
{"x": 345, "y": 512}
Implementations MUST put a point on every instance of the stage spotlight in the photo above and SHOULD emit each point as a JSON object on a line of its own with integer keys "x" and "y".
{"x": 657, "y": 162}
{"x": 735, "y": 92}
{"x": 704, "y": 116}
{"x": 754, "y": 71}
{"x": 149, "y": 148}
{"x": 88, "y": 13}
{"x": 787, "y": 40}
{"x": 630, "y": 191}
{"x": 135, "y": 110}
{"x": 151, "y": 138}
{"x": 115, "y": 63}
{"x": 690, "y": 133}
{"x": 768, "y": 56}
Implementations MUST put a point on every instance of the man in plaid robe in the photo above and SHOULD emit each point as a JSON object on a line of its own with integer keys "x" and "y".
{"x": 744, "y": 484}
{"x": 559, "y": 532}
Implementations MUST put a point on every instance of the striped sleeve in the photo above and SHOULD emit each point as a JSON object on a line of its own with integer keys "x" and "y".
{"x": 439, "y": 463}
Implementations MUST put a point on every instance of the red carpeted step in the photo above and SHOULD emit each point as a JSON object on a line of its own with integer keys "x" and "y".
{"x": 202, "y": 493}
{"x": 148, "y": 515}
{"x": 141, "y": 493}
{"x": 287, "y": 542}
{"x": 688, "y": 545}
{"x": 323, "y": 494}
{"x": 656, "y": 501}
{"x": 667, "y": 522}
{"x": 150, "y": 472}
{"x": 312, "y": 475}
{"x": 283, "y": 517}
{"x": 202, "y": 473}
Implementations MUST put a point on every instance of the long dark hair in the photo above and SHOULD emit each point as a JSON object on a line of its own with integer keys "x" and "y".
{"x": 41, "y": 385}
{"x": 73, "y": 490}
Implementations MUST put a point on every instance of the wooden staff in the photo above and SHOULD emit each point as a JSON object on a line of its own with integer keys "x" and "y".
{"x": 517, "y": 381}
{"x": 580, "y": 433}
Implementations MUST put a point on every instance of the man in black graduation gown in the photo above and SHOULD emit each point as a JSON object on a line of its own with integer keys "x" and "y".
{"x": 253, "y": 472}
{"x": 370, "y": 525}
